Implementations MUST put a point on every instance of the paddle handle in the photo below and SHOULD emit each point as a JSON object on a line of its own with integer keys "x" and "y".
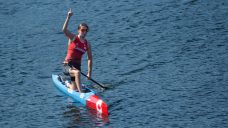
{"x": 93, "y": 80}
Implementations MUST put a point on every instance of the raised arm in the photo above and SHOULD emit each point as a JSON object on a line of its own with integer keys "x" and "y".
{"x": 65, "y": 25}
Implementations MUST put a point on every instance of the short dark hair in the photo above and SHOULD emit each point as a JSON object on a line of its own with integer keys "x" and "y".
{"x": 83, "y": 24}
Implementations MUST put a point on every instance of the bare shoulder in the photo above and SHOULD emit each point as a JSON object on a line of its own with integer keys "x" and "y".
{"x": 71, "y": 40}
{"x": 69, "y": 34}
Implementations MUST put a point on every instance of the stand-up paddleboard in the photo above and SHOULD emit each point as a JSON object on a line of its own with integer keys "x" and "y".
{"x": 89, "y": 98}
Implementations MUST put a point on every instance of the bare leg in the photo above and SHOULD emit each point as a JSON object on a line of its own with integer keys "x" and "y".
{"x": 73, "y": 86}
{"x": 76, "y": 85}
{"x": 78, "y": 80}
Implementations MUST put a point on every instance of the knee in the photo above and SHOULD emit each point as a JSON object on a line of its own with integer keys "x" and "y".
{"x": 76, "y": 72}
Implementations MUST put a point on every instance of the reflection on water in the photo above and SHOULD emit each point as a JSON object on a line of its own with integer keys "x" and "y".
{"x": 79, "y": 115}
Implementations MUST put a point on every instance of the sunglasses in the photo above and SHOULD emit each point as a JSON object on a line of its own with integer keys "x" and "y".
{"x": 83, "y": 30}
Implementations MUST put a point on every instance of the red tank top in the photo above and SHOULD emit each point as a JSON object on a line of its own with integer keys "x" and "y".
{"x": 76, "y": 49}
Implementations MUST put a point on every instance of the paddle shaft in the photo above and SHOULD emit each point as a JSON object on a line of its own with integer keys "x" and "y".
{"x": 93, "y": 80}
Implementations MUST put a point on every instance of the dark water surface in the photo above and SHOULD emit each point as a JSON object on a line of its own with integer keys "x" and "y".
{"x": 167, "y": 61}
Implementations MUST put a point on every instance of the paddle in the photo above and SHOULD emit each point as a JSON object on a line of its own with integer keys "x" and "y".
{"x": 95, "y": 81}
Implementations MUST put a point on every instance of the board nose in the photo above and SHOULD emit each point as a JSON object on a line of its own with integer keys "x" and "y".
{"x": 96, "y": 103}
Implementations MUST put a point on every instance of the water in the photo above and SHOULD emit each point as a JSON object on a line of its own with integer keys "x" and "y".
{"x": 167, "y": 62}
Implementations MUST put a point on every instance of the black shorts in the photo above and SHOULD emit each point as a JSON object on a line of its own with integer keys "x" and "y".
{"x": 70, "y": 65}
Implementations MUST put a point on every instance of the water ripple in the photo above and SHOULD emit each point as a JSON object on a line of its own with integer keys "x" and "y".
{"x": 166, "y": 60}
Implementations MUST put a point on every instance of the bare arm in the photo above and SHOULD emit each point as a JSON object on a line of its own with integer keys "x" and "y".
{"x": 90, "y": 61}
{"x": 65, "y": 25}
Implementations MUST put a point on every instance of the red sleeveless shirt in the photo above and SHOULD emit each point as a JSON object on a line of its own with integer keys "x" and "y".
{"x": 76, "y": 49}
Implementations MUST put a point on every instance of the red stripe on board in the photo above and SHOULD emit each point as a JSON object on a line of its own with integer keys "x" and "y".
{"x": 96, "y": 103}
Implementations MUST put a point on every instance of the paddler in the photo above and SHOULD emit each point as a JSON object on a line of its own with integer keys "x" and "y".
{"x": 77, "y": 46}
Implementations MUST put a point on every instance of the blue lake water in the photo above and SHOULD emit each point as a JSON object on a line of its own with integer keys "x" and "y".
{"x": 166, "y": 60}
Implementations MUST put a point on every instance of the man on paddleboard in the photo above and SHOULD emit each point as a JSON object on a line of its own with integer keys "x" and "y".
{"x": 77, "y": 46}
